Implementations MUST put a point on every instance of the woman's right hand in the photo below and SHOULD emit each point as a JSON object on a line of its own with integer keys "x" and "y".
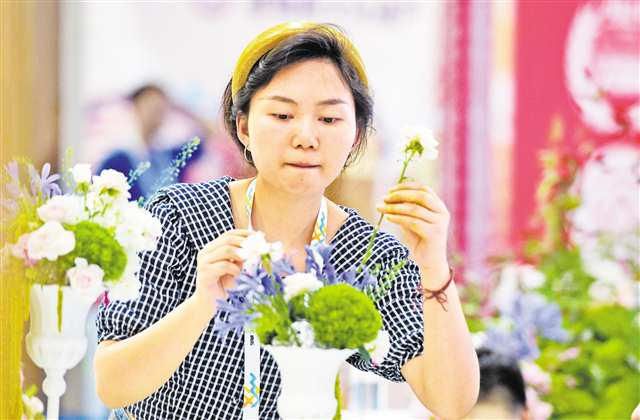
{"x": 218, "y": 265}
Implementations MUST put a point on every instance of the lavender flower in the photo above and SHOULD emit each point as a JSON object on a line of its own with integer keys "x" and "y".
{"x": 43, "y": 184}
{"x": 528, "y": 316}
{"x": 532, "y": 309}
{"x": 237, "y": 316}
{"x": 318, "y": 262}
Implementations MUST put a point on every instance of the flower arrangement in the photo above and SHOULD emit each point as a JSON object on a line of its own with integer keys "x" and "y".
{"x": 315, "y": 308}
{"x": 87, "y": 239}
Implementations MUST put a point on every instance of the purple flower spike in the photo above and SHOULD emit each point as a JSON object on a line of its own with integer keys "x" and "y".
{"x": 44, "y": 183}
{"x": 49, "y": 187}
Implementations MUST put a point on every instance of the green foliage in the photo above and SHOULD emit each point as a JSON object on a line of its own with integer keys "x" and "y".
{"x": 273, "y": 324}
{"x": 98, "y": 246}
{"x": 385, "y": 282}
{"x": 343, "y": 317}
{"x": 297, "y": 307}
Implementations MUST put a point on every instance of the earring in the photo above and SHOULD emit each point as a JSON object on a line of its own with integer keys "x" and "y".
{"x": 245, "y": 154}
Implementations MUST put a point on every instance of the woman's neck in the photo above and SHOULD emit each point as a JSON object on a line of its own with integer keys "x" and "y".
{"x": 284, "y": 217}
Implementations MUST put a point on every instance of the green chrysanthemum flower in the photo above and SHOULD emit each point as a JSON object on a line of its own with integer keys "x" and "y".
{"x": 343, "y": 317}
{"x": 98, "y": 246}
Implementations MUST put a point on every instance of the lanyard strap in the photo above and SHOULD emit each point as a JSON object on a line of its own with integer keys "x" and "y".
{"x": 251, "y": 343}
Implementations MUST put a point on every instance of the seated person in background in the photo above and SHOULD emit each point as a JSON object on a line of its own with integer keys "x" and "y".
{"x": 150, "y": 106}
{"x": 502, "y": 389}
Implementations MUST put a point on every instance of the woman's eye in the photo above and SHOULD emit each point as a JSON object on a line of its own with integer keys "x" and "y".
{"x": 281, "y": 116}
{"x": 329, "y": 120}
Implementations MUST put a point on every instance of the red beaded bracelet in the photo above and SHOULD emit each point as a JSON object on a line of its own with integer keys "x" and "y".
{"x": 439, "y": 294}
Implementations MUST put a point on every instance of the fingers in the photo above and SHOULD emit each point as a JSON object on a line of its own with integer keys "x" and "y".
{"x": 408, "y": 209}
{"x": 417, "y": 194}
{"x": 224, "y": 252}
{"x": 233, "y": 237}
{"x": 408, "y": 222}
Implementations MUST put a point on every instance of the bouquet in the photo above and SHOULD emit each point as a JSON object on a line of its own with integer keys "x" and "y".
{"x": 317, "y": 308}
{"x": 87, "y": 239}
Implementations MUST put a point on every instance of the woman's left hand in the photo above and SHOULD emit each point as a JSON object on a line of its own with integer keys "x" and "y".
{"x": 424, "y": 220}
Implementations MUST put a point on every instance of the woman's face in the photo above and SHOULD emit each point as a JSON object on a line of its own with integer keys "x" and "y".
{"x": 301, "y": 127}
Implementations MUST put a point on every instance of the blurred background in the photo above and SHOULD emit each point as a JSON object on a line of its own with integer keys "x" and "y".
{"x": 536, "y": 105}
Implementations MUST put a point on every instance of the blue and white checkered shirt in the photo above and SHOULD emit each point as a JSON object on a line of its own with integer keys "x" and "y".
{"x": 208, "y": 383}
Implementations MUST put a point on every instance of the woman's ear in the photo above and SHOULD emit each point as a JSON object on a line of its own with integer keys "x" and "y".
{"x": 242, "y": 127}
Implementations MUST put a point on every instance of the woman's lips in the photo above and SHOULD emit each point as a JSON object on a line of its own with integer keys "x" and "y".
{"x": 303, "y": 165}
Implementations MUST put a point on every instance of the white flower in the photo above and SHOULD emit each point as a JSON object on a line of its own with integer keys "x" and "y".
{"x": 128, "y": 287}
{"x": 86, "y": 279}
{"x": 112, "y": 184}
{"x": 298, "y": 283}
{"x": 255, "y": 246}
{"x": 137, "y": 230}
{"x": 81, "y": 173}
{"x": 531, "y": 278}
{"x": 425, "y": 137}
{"x": 379, "y": 348}
{"x": 125, "y": 289}
{"x": 33, "y": 405}
{"x": 62, "y": 208}
{"x": 505, "y": 294}
{"x": 613, "y": 283}
{"x": 305, "y": 334}
{"x": 50, "y": 241}
{"x": 604, "y": 269}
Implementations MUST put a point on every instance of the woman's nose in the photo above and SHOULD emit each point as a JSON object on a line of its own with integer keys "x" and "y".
{"x": 306, "y": 135}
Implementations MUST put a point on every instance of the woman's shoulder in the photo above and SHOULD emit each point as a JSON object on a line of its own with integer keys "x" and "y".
{"x": 201, "y": 209}
{"x": 190, "y": 194}
{"x": 356, "y": 232}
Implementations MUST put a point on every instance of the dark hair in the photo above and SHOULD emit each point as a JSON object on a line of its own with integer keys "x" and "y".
{"x": 314, "y": 43}
{"x": 141, "y": 90}
{"x": 499, "y": 371}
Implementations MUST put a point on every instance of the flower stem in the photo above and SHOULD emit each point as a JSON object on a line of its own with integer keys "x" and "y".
{"x": 367, "y": 254}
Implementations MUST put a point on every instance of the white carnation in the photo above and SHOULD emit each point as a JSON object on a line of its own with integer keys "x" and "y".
{"x": 379, "y": 348}
{"x": 298, "y": 283}
{"x": 50, "y": 241}
{"x": 255, "y": 246}
{"x": 425, "y": 137}
{"x": 128, "y": 287}
{"x": 81, "y": 173}
{"x": 86, "y": 279}
{"x": 111, "y": 183}
{"x": 62, "y": 208}
{"x": 137, "y": 229}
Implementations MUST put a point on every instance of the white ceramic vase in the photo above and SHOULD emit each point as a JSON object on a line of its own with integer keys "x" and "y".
{"x": 52, "y": 350}
{"x": 308, "y": 381}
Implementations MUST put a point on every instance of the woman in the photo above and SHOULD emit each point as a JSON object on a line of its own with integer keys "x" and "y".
{"x": 299, "y": 107}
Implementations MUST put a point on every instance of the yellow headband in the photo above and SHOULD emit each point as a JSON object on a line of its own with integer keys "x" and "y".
{"x": 270, "y": 38}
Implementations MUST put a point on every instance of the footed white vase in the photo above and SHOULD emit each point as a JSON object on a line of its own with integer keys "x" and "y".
{"x": 308, "y": 381}
{"x": 56, "y": 351}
